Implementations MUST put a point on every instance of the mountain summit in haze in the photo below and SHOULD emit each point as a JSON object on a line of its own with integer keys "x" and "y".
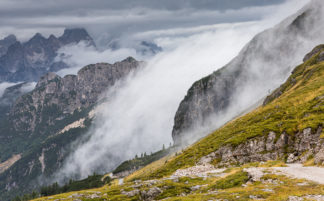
{"x": 32, "y": 59}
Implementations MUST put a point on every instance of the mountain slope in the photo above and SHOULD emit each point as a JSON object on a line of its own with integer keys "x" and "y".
{"x": 11, "y": 94}
{"x": 43, "y": 124}
{"x": 287, "y": 128}
{"x": 29, "y": 60}
{"x": 247, "y": 78}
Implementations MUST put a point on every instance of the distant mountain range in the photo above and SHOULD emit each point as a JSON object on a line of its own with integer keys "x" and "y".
{"x": 30, "y": 60}
{"x": 46, "y": 120}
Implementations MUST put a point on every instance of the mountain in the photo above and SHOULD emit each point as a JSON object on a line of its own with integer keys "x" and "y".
{"x": 29, "y": 60}
{"x": 6, "y": 43}
{"x": 229, "y": 91}
{"x": 148, "y": 48}
{"x": 246, "y": 159}
{"x": 11, "y": 94}
{"x": 42, "y": 125}
{"x": 144, "y": 48}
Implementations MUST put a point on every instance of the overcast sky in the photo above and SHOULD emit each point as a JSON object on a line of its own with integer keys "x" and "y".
{"x": 111, "y": 18}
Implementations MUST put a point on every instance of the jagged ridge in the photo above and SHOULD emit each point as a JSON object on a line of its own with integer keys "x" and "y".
{"x": 29, "y": 60}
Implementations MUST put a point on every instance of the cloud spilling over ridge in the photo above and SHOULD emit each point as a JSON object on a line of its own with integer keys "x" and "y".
{"x": 5, "y": 85}
{"x": 138, "y": 116}
{"x": 262, "y": 66}
{"x": 79, "y": 55}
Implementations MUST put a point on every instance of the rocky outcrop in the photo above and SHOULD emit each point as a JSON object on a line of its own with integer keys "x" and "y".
{"x": 256, "y": 70}
{"x": 28, "y": 61}
{"x": 55, "y": 97}
{"x": 298, "y": 148}
{"x": 150, "y": 194}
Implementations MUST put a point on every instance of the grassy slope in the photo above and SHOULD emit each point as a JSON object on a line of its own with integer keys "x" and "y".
{"x": 301, "y": 105}
{"x": 227, "y": 187}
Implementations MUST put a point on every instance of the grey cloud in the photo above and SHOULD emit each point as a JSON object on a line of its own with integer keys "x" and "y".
{"x": 25, "y": 17}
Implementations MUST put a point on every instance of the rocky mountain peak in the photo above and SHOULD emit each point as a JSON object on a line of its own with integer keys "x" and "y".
{"x": 47, "y": 78}
{"x": 10, "y": 38}
{"x": 6, "y": 43}
{"x": 52, "y": 38}
{"x": 76, "y": 35}
{"x": 129, "y": 60}
{"x": 37, "y": 37}
{"x": 28, "y": 61}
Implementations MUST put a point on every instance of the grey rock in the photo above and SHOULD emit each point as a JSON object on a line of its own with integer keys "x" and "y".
{"x": 292, "y": 158}
{"x": 194, "y": 188}
{"x": 131, "y": 193}
{"x": 66, "y": 95}
{"x": 319, "y": 157}
{"x": 305, "y": 144}
{"x": 213, "y": 95}
{"x": 151, "y": 193}
{"x": 255, "y": 174}
{"x": 294, "y": 198}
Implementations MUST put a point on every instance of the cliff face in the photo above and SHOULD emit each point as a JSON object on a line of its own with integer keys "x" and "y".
{"x": 256, "y": 67}
{"x": 252, "y": 157}
{"x": 43, "y": 123}
{"x": 28, "y": 61}
{"x": 55, "y": 97}
{"x": 288, "y": 128}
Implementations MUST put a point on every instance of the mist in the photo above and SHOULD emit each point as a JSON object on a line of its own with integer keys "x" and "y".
{"x": 268, "y": 60}
{"x": 25, "y": 88}
{"x": 79, "y": 55}
{"x": 138, "y": 116}
{"x": 5, "y": 85}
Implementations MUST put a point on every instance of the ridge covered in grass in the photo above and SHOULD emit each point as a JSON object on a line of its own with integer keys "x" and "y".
{"x": 299, "y": 106}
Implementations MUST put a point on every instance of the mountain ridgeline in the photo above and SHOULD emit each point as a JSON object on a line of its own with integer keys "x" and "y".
{"x": 240, "y": 161}
{"x": 29, "y": 60}
{"x": 38, "y": 132}
{"x": 55, "y": 97}
{"x": 263, "y": 64}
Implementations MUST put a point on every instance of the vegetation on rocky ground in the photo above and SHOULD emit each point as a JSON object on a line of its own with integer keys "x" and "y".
{"x": 300, "y": 106}
{"x": 93, "y": 181}
{"x": 234, "y": 184}
{"x": 141, "y": 161}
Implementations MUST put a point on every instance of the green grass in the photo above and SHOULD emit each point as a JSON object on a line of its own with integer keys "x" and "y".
{"x": 228, "y": 187}
{"x": 300, "y": 106}
{"x": 233, "y": 180}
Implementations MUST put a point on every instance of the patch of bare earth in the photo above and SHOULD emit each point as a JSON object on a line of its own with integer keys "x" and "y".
{"x": 8, "y": 163}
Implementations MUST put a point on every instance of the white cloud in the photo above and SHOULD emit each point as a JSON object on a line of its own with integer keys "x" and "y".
{"x": 139, "y": 115}
{"x": 80, "y": 55}
{"x": 5, "y": 85}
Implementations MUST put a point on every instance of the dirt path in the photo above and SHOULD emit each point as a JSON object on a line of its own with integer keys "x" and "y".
{"x": 315, "y": 174}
